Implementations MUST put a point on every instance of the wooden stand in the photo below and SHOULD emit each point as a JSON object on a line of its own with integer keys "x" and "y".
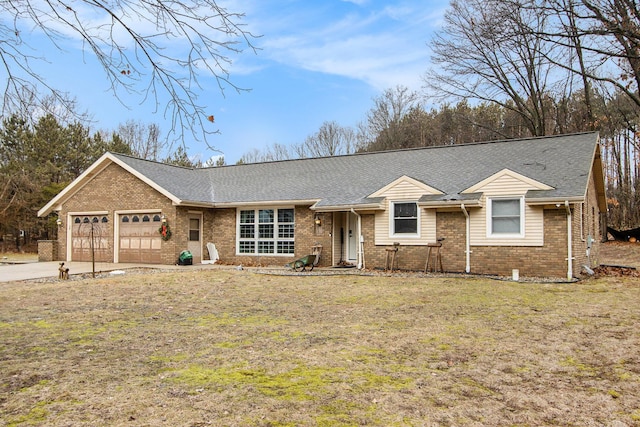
{"x": 391, "y": 261}
{"x": 434, "y": 258}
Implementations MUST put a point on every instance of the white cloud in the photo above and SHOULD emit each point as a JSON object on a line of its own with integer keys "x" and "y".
{"x": 383, "y": 47}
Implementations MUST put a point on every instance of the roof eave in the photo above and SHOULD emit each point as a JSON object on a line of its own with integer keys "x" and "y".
{"x": 221, "y": 205}
{"x": 450, "y": 203}
{"x": 552, "y": 200}
{"x": 343, "y": 208}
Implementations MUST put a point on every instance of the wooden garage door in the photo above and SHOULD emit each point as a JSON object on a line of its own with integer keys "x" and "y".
{"x": 140, "y": 240}
{"x": 84, "y": 230}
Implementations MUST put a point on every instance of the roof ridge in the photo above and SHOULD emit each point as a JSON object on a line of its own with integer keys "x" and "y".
{"x": 129, "y": 156}
{"x": 400, "y": 150}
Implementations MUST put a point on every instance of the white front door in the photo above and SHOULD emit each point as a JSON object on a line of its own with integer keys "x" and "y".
{"x": 352, "y": 238}
{"x": 194, "y": 244}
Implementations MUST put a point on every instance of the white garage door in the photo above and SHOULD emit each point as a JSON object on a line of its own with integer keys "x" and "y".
{"x": 90, "y": 239}
{"x": 140, "y": 241}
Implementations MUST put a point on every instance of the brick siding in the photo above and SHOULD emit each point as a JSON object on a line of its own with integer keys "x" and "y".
{"x": 116, "y": 189}
{"x": 220, "y": 228}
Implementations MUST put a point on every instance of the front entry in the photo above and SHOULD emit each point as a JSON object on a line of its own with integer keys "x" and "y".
{"x": 194, "y": 244}
{"x": 352, "y": 238}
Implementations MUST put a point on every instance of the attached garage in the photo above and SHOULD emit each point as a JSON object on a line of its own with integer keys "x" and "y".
{"x": 139, "y": 239}
{"x": 90, "y": 238}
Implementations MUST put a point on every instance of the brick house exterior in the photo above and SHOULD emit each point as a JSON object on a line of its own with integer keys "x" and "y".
{"x": 498, "y": 206}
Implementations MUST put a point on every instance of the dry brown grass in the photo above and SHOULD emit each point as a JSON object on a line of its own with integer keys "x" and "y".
{"x": 232, "y": 348}
{"x": 18, "y": 257}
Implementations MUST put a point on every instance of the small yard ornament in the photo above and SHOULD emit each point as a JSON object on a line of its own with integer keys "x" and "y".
{"x": 63, "y": 273}
{"x": 165, "y": 230}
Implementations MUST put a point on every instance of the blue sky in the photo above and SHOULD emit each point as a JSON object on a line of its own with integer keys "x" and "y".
{"x": 318, "y": 61}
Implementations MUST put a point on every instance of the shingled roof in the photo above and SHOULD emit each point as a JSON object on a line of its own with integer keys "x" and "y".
{"x": 561, "y": 162}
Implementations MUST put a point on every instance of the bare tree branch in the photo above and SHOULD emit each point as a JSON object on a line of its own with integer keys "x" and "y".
{"x": 153, "y": 49}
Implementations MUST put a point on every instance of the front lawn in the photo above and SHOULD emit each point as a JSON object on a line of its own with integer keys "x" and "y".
{"x": 233, "y": 348}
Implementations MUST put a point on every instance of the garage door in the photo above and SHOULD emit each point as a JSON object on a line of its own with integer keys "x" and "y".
{"x": 140, "y": 241}
{"x": 90, "y": 235}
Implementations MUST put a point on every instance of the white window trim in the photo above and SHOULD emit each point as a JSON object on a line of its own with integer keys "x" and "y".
{"x": 275, "y": 231}
{"x": 490, "y": 233}
{"x": 392, "y": 221}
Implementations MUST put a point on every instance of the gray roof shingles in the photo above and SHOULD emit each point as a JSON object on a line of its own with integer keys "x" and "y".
{"x": 562, "y": 162}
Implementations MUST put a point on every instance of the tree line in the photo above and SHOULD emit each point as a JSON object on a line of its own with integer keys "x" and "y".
{"x": 500, "y": 69}
{"x": 516, "y": 68}
{"x": 38, "y": 158}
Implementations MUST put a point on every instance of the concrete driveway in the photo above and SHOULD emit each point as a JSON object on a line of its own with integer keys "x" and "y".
{"x": 41, "y": 270}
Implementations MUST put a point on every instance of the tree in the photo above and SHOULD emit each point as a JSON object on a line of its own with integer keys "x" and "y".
{"x": 605, "y": 36}
{"x": 330, "y": 140}
{"x": 152, "y": 49}
{"x": 142, "y": 139}
{"x": 488, "y": 52}
{"x": 181, "y": 158}
{"x": 382, "y": 129}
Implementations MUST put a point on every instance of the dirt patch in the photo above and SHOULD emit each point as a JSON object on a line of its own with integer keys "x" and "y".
{"x": 234, "y": 348}
{"x": 617, "y": 253}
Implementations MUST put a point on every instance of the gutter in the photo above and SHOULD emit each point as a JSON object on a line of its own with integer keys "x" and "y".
{"x": 467, "y": 249}
{"x": 569, "y": 242}
{"x": 360, "y": 241}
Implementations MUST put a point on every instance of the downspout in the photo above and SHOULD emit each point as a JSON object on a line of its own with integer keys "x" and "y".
{"x": 467, "y": 249}
{"x": 360, "y": 241}
{"x": 569, "y": 242}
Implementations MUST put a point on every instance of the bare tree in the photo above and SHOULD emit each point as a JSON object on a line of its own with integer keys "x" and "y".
{"x": 143, "y": 139}
{"x": 330, "y": 140}
{"x": 383, "y": 127}
{"x": 605, "y": 35}
{"x": 488, "y": 52}
{"x": 153, "y": 49}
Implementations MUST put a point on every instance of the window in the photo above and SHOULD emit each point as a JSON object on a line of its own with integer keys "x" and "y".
{"x": 194, "y": 230}
{"x": 266, "y": 231}
{"x": 405, "y": 219}
{"x": 506, "y": 217}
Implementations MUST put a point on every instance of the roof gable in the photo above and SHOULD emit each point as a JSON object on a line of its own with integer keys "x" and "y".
{"x": 508, "y": 180}
{"x": 405, "y": 185}
{"x": 87, "y": 176}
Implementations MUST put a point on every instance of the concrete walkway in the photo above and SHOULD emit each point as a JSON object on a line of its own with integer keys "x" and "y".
{"x": 40, "y": 270}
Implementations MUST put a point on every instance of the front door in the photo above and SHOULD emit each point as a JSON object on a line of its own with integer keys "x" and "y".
{"x": 194, "y": 244}
{"x": 352, "y": 238}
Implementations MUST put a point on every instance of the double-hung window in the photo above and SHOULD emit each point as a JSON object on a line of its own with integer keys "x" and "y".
{"x": 506, "y": 218}
{"x": 405, "y": 219}
{"x": 266, "y": 231}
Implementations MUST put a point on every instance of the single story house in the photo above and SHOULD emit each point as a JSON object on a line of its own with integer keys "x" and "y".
{"x": 537, "y": 205}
